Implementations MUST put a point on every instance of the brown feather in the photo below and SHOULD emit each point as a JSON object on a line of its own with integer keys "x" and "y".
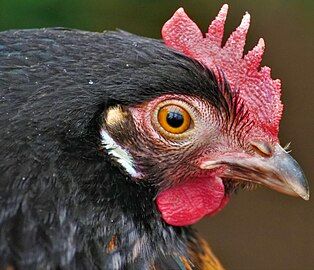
{"x": 202, "y": 256}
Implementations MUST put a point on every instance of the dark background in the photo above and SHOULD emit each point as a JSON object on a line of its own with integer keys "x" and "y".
{"x": 259, "y": 229}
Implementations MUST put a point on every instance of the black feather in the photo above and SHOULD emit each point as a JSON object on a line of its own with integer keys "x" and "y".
{"x": 61, "y": 200}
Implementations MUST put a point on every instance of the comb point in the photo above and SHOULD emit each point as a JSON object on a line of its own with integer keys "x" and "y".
{"x": 181, "y": 31}
{"x": 245, "y": 23}
{"x": 236, "y": 41}
{"x": 180, "y": 12}
{"x": 224, "y": 9}
{"x": 216, "y": 28}
{"x": 254, "y": 57}
{"x": 261, "y": 43}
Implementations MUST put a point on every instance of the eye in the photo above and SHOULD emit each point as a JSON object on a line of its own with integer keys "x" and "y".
{"x": 174, "y": 119}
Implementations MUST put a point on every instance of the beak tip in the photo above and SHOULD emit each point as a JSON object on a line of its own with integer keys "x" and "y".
{"x": 306, "y": 196}
{"x": 302, "y": 191}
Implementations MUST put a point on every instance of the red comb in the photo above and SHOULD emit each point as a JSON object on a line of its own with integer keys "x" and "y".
{"x": 259, "y": 92}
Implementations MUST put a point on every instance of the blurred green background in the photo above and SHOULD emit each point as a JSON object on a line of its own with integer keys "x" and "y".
{"x": 261, "y": 229}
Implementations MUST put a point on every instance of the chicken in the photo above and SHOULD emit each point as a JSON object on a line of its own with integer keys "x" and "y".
{"x": 113, "y": 144}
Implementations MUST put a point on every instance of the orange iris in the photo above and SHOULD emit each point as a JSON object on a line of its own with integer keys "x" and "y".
{"x": 174, "y": 119}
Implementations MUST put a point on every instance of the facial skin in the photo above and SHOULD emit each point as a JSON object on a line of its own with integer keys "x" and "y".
{"x": 195, "y": 152}
{"x": 177, "y": 155}
{"x": 181, "y": 154}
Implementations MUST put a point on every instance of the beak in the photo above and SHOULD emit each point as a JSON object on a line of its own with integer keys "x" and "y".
{"x": 278, "y": 171}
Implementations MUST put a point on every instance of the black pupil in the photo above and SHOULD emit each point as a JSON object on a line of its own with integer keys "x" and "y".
{"x": 175, "y": 119}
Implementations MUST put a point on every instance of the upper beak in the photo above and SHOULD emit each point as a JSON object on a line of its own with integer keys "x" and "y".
{"x": 278, "y": 171}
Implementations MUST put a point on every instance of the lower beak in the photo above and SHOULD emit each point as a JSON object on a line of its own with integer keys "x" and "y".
{"x": 278, "y": 171}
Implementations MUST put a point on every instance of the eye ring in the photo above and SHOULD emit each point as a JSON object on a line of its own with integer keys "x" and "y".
{"x": 174, "y": 119}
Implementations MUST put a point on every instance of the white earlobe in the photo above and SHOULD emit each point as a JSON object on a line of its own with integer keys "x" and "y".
{"x": 122, "y": 156}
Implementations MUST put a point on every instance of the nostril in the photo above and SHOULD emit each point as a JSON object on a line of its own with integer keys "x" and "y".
{"x": 262, "y": 148}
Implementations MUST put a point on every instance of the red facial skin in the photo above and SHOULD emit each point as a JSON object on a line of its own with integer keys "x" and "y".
{"x": 191, "y": 193}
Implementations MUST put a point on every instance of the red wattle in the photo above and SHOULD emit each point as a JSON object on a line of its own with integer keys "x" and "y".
{"x": 190, "y": 201}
